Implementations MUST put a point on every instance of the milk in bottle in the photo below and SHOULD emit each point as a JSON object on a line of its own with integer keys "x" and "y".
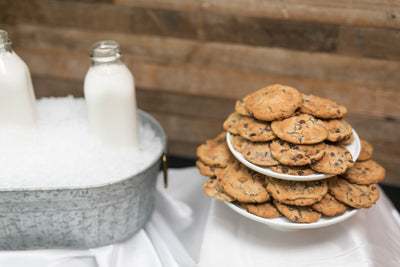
{"x": 109, "y": 90}
{"x": 17, "y": 98}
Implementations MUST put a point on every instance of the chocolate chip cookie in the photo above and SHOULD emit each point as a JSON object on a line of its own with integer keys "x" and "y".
{"x": 231, "y": 123}
{"x": 215, "y": 152}
{"x": 354, "y": 195}
{"x": 299, "y": 193}
{"x": 339, "y": 129}
{"x": 366, "y": 151}
{"x": 265, "y": 210}
{"x": 346, "y": 141}
{"x": 330, "y": 206}
{"x": 300, "y": 129}
{"x": 337, "y": 160}
{"x": 255, "y": 130}
{"x": 211, "y": 189}
{"x": 296, "y": 155}
{"x": 273, "y": 102}
{"x": 322, "y": 107}
{"x": 206, "y": 170}
{"x": 258, "y": 153}
{"x": 243, "y": 184}
{"x": 365, "y": 172}
{"x": 298, "y": 214}
{"x": 240, "y": 107}
{"x": 237, "y": 142}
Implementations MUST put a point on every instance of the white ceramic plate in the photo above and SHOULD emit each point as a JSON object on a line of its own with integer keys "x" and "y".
{"x": 283, "y": 223}
{"x": 354, "y": 148}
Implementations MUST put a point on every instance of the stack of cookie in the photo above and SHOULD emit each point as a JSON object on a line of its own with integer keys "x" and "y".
{"x": 292, "y": 134}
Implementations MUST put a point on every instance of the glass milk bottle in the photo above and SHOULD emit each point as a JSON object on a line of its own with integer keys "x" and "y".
{"x": 17, "y": 98}
{"x": 109, "y": 90}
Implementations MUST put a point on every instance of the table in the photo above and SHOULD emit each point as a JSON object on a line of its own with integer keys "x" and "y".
{"x": 189, "y": 229}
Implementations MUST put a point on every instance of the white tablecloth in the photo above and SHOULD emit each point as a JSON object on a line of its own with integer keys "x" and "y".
{"x": 189, "y": 229}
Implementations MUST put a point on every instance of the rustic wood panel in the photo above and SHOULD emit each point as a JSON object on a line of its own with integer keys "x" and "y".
{"x": 291, "y": 34}
{"x": 181, "y": 104}
{"x": 369, "y": 42}
{"x": 190, "y": 129}
{"x": 277, "y": 61}
{"x": 362, "y": 12}
{"x": 46, "y": 86}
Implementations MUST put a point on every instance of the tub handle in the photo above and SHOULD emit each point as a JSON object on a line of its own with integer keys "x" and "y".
{"x": 165, "y": 170}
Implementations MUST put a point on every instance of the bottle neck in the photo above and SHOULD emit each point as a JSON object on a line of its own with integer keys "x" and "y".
{"x": 5, "y": 43}
{"x": 105, "y": 52}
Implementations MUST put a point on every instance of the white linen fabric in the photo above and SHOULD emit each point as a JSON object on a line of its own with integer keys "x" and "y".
{"x": 189, "y": 229}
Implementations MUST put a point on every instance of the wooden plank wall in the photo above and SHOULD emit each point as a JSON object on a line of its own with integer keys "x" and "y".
{"x": 192, "y": 59}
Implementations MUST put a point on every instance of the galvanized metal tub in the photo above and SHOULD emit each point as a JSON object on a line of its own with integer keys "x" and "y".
{"x": 80, "y": 217}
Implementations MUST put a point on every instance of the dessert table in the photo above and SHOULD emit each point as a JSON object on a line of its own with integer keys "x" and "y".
{"x": 187, "y": 228}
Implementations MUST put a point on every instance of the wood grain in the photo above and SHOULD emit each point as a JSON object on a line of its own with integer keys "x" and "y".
{"x": 205, "y": 26}
{"x": 362, "y": 12}
{"x": 277, "y": 61}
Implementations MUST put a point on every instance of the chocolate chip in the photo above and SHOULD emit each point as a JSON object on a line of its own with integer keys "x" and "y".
{"x": 277, "y": 191}
{"x": 337, "y": 131}
{"x": 302, "y": 121}
{"x": 253, "y": 134}
{"x": 332, "y": 154}
{"x": 245, "y": 125}
{"x": 313, "y": 161}
{"x": 285, "y": 169}
{"x": 283, "y": 150}
{"x": 299, "y": 156}
{"x": 300, "y": 172}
